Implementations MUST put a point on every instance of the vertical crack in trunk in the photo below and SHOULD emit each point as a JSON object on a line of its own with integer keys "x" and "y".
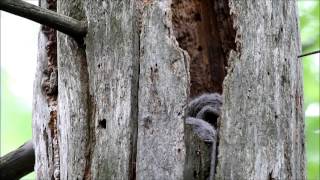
{"x": 87, "y": 107}
{"x": 50, "y": 89}
{"x": 91, "y": 113}
{"x": 135, "y": 89}
{"x": 91, "y": 133}
{"x": 204, "y": 28}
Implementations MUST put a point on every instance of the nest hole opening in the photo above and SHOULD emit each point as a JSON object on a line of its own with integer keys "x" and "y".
{"x": 204, "y": 28}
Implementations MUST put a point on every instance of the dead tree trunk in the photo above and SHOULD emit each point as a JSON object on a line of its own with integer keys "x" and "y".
{"x": 262, "y": 123}
{"x": 117, "y": 110}
{"x": 45, "y": 91}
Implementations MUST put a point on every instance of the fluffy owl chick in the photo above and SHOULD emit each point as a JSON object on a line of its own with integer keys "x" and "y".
{"x": 202, "y": 114}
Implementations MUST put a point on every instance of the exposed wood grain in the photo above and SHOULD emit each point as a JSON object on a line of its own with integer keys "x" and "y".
{"x": 262, "y": 123}
{"x": 163, "y": 93}
{"x": 74, "y": 100}
{"x": 204, "y": 30}
{"x": 113, "y": 67}
{"x": 44, "y": 112}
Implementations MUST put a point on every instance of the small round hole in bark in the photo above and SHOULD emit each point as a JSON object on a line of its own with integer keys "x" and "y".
{"x": 102, "y": 123}
{"x": 197, "y": 17}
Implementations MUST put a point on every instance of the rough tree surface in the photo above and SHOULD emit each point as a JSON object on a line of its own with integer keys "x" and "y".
{"x": 262, "y": 123}
{"x": 45, "y": 137}
{"x": 119, "y": 109}
{"x": 163, "y": 93}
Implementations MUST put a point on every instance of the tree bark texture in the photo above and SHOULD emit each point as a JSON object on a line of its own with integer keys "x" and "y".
{"x": 44, "y": 114}
{"x": 163, "y": 91}
{"x": 112, "y": 49}
{"x": 262, "y": 123}
{"x": 123, "y": 91}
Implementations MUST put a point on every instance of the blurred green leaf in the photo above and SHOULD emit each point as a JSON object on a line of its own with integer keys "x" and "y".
{"x": 309, "y": 12}
{"x": 16, "y": 126}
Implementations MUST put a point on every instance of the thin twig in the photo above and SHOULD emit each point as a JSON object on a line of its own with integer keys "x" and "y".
{"x": 309, "y": 53}
{"x": 46, "y": 17}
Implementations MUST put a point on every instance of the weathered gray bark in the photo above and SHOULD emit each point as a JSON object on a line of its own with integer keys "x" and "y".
{"x": 44, "y": 102}
{"x": 163, "y": 91}
{"x": 98, "y": 92}
{"x": 74, "y": 101}
{"x": 112, "y": 55}
{"x": 262, "y": 123}
{"x": 123, "y": 92}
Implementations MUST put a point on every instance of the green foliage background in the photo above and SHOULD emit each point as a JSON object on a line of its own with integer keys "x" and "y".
{"x": 309, "y": 12}
{"x": 16, "y": 117}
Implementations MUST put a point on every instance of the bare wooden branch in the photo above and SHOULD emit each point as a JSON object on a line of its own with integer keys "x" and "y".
{"x": 65, "y": 24}
{"x": 17, "y": 163}
{"x": 309, "y": 53}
